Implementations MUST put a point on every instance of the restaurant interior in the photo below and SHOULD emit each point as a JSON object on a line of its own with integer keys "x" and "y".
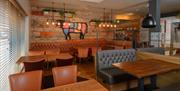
{"x": 89, "y": 45}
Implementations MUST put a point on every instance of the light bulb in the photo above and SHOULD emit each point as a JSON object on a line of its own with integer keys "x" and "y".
{"x": 104, "y": 25}
{"x": 99, "y": 25}
{"x": 115, "y": 26}
{"x": 107, "y": 25}
{"x": 59, "y": 23}
{"x": 47, "y": 23}
{"x": 111, "y": 25}
{"x": 53, "y": 23}
{"x": 64, "y": 24}
{"x": 117, "y": 21}
{"x": 69, "y": 24}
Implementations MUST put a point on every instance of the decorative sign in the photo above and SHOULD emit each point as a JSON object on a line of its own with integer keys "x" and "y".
{"x": 74, "y": 27}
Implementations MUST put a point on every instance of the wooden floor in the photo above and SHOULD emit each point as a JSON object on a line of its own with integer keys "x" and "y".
{"x": 87, "y": 70}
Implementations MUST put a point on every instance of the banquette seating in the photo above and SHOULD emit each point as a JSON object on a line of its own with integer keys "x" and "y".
{"x": 109, "y": 74}
{"x": 156, "y": 50}
{"x": 68, "y": 45}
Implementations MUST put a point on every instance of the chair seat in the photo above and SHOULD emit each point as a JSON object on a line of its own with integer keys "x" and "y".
{"x": 114, "y": 75}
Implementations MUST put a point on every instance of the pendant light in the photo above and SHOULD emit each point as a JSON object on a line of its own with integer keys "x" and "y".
{"x": 112, "y": 25}
{"x": 149, "y": 21}
{"x": 107, "y": 23}
{"x": 65, "y": 20}
{"x": 52, "y": 21}
{"x": 102, "y": 23}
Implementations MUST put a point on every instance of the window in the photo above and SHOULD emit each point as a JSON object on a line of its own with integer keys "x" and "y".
{"x": 11, "y": 41}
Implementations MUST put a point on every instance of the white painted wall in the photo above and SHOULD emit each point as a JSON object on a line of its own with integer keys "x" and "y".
{"x": 25, "y": 4}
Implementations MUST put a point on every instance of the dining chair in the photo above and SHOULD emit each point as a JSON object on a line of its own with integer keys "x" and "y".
{"x": 64, "y": 62}
{"x": 27, "y": 81}
{"x": 82, "y": 53}
{"x": 94, "y": 50}
{"x": 64, "y": 75}
{"x": 51, "y": 59}
{"x": 34, "y": 65}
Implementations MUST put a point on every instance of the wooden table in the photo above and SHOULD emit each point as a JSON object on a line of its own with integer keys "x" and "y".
{"x": 146, "y": 68}
{"x": 89, "y": 85}
{"x": 30, "y": 58}
{"x": 59, "y": 56}
{"x": 46, "y": 57}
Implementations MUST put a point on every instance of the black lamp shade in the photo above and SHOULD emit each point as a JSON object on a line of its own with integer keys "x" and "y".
{"x": 149, "y": 22}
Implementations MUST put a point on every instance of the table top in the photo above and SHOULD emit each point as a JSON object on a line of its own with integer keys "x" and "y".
{"x": 46, "y": 57}
{"x": 145, "y": 68}
{"x": 89, "y": 85}
{"x": 60, "y": 56}
{"x": 30, "y": 58}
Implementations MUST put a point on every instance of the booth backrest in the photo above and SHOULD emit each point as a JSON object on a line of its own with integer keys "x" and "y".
{"x": 108, "y": 57}
{"x": 68, "y": 45}
{"x": 157, "y": 50}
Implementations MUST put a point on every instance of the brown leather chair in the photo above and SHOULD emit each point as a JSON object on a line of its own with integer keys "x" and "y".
{"x": 82, "y": 53}
{"x": 64, "y": 62}
{"x": 95, "y": 50}
{"x": 64, "y": 75}
{"x": 34, "y": 65}
{"x": 27, "y": 81}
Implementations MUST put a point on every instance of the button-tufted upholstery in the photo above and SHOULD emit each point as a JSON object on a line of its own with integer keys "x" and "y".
{"x": 106, "y": 58}
{"x": 67, "y": 45}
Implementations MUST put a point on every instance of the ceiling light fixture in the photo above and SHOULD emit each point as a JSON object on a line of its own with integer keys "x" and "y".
{"x": 52, "y": 21}
{"x": 149, "y": 21}
{"x": 107, "y": 24}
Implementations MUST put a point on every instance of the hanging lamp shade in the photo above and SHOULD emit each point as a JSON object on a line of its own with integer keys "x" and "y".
{"x": 149, "y": 22}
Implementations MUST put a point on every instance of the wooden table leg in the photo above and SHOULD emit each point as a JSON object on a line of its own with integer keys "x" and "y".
{"x": 128, "y": 85}
{"x": 141, "y": 84}
{"x": 153, "y": 82}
